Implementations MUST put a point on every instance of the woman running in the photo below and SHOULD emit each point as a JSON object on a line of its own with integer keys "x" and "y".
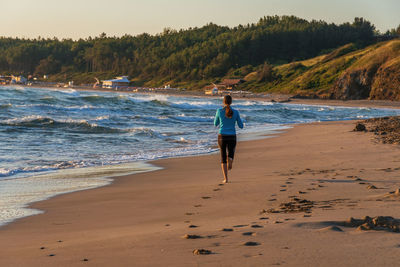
{"x": 226, "y": 119}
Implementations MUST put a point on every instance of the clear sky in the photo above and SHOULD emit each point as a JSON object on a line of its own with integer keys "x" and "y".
{"x": 83, "y": 18}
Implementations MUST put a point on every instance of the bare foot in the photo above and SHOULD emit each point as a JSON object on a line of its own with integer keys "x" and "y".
{"x": 225, "y": 181}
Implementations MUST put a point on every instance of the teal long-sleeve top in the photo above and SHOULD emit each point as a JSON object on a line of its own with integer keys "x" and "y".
{"x": 227, "y": 125}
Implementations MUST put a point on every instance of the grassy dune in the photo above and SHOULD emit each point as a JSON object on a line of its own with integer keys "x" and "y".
{"x": 345, "y": 73}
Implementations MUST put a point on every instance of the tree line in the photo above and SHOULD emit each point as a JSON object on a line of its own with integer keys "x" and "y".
{"x": 191, "y": 54}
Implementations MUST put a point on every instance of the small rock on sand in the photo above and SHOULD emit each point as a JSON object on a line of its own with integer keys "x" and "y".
{"x": 202, "y": 251}
{"x": 360, "y": 127}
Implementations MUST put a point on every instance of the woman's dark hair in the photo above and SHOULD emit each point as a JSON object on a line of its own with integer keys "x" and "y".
{"x": 227, "y": 103}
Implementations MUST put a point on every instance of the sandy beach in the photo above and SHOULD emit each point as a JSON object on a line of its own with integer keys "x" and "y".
{"x": 142, "y": 220}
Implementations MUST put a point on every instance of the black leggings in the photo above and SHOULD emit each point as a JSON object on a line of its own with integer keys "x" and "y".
{"x": 227, "y": 142}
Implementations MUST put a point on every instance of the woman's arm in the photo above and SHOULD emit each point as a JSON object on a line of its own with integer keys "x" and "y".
{"x": 216, "y": 120}
{"x": 239, "y": 121}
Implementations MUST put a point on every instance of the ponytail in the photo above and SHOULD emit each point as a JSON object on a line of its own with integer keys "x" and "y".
{"x": 227, "y": 103}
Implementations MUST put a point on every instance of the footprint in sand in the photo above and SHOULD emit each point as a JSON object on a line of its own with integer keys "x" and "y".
{"x": 227, "y": 230}
{"x": 202, "y": 251}
{"x": 192, "y": 226}
{"x": 256, "y": 226}
{"x": 301, "y": 192}
{"x": 282, "y": 190}
{"x": 251, "y": 244}
{"x": 240, "y": 225}
{"x": 272, "y": 199}
{"x": 85, "y": 259}
{"x": 197, "y": 206}
{"x": 372, "y": 187}
{"x": 263, "y": 218}
{"x": 216, "y": 189}
{"x": 51, "y": 255}
{"x": 205, "y": 197}
{"x": 249, "y": 233}
{"x": 189, "y": 213}
{"x": 187, "y": 236}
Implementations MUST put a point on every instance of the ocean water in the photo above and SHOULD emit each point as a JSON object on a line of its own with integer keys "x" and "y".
{"x": 48, "y": 138}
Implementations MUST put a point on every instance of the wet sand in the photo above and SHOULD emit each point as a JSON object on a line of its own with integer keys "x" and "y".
{"x": 287, "y": 204}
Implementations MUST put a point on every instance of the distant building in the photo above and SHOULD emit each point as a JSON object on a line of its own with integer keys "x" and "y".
{"x": 121, "y": 81}
{"x": 18, "y": 80}
{"x": 231, "y": 84}
{"x": 213, "y": 91}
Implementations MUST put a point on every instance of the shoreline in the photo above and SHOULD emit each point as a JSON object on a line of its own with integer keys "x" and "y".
{"x": 268, "y": 97}
{"x": 104, "y": 177}
{"x": 245, "y": 136}
{"x": 97, "y": 224}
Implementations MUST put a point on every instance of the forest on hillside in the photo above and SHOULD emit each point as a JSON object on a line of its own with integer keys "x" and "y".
{"x": 192, "y": 54}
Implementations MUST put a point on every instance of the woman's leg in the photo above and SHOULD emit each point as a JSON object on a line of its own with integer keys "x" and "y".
{"x": 225, "y": 172}
{"x": 230, "y": 163}
{"x": 222, "y": 146}
{"x": 231, "y": 152}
